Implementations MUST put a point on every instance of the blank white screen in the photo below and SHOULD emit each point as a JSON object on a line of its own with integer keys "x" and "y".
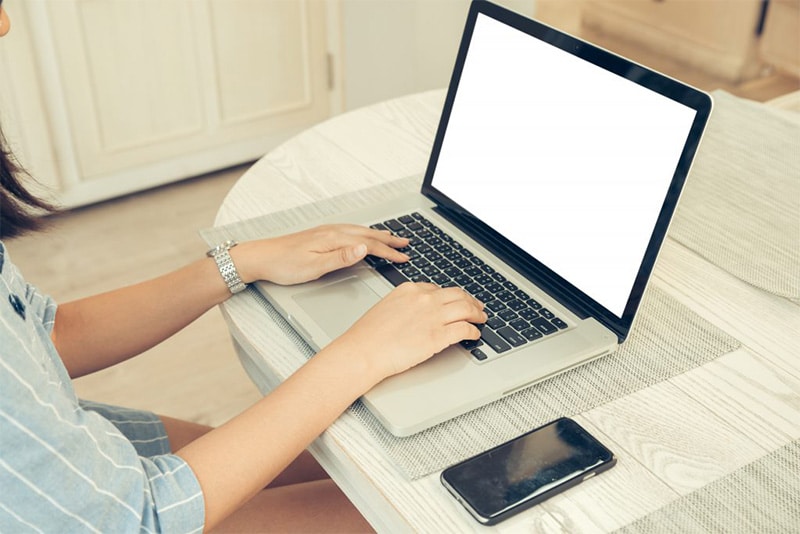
{"x": 570, "y": 162}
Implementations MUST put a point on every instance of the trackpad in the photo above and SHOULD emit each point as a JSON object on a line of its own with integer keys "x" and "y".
{"x": 337, "y": 306}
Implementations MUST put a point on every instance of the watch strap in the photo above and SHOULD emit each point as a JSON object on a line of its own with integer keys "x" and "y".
{"x": 226, "y": 267}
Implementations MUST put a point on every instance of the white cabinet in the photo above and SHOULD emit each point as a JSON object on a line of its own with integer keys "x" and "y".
{"x": 109, "y": 97}
{"x": 100, "y": 98}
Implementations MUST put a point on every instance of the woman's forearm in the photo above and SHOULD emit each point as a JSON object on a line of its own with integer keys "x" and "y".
{"x": 237, "y": 460}
{"x": 96, "y": 332}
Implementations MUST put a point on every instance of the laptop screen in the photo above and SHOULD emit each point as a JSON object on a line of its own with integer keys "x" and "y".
{"x": 567, "y": 160}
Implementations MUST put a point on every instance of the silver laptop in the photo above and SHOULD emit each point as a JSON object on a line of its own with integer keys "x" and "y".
{"x": 552, "y": 179}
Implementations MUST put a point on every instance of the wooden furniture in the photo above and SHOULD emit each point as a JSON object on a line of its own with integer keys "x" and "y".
{"x": 718, "y": 417}
{"x": 101, "y": 99}
{"x": 714, "y": 36}
{"x": 780, "y": 43}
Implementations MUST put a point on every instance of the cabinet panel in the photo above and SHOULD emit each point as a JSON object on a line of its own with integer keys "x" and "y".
{"x": 153, "y": 91}
{"x": 262, "y": 58}
{"x": 131, "y": 69}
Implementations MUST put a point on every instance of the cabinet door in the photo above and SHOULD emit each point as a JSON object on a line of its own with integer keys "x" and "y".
{"x": 197, "y": 83}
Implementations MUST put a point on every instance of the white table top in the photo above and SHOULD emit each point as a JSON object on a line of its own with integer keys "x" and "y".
{"x": 721, "y": 416}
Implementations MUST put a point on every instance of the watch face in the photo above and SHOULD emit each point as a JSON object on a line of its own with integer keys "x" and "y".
{"x": 227, "y": 245}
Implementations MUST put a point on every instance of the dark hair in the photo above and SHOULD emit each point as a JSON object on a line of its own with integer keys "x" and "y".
{"x": 16, "y": 202}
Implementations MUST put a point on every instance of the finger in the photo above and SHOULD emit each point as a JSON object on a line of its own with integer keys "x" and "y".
{"x": 379, "y": 243}
{"x": 451, "y": 294}
{"x": 384, "y": 236}
{"x": 387, "y": 252}
{"x": 340, "y": 258}
{"x": 463, "y": 310}
{"x": 455, "y": 332}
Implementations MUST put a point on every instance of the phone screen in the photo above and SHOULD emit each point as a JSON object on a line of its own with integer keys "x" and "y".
{"x": 526, "y": 470}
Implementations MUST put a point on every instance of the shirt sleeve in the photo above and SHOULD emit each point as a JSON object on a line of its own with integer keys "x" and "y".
{"x": 64, "y": 468}
{"x": 76, "y": 472}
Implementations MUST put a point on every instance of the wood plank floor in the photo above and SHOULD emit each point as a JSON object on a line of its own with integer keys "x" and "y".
{"x": 196, "y": 375}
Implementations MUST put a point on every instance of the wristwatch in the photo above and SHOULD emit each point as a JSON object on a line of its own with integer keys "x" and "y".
{"x": 226, "y": 267}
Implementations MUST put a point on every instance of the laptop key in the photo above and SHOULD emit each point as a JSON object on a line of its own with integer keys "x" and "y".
{"x": 495, "y": 305}
{"x": 470, "y": 344}
{"x": 559, "y": 323}
{"x": 507, "y": 314}
{"x": 512, "y": 336}
{"x": 544, "y": 325}
{"x": 439, "y": 279}
{"x": 494, "y": 341}
{"x": 519, "y": 324}
{"x": 495, "y": 323}
{"x": 375, "y": 260}
{"x": 389, "y": 272}
{"x": 393, "y": 224}
{"x": 478, "y": 354}
{"x": 531, "y": 334}
{"x": 517, "y": 305}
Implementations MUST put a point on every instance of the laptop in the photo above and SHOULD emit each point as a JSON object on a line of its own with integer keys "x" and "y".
{"x": 553, "y": 175}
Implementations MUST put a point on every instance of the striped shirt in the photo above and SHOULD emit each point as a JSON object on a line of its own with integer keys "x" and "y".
{"x": 73, "y": 466}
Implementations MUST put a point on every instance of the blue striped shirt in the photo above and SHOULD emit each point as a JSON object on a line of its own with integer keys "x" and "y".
{"x": 68, "y": 465}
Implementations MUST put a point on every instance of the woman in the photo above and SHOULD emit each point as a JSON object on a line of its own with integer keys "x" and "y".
{"x": 70, "y": 465}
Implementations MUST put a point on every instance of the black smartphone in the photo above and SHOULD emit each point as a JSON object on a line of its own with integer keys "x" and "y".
{"x": 525, "y": 471}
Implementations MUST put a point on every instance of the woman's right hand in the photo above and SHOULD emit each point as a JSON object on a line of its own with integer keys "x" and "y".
{"x": 411, "y": 324}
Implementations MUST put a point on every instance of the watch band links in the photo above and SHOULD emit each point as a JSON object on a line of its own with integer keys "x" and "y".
{"x": 226, "y": 267}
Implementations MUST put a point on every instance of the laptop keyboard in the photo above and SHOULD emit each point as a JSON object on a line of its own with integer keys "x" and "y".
{"x": 515, "y": 318}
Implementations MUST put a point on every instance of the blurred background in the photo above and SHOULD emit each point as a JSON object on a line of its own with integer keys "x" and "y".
{"x": 138, "y": 115}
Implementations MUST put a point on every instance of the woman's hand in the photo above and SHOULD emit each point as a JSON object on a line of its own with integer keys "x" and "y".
{"x": 307, "y": 255}
{"x": 411, "y": 324}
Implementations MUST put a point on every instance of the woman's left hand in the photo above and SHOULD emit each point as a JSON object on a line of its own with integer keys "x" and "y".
{"x": 307, "y": 255}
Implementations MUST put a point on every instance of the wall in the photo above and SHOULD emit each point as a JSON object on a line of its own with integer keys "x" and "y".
{"x": 396, "y": 47}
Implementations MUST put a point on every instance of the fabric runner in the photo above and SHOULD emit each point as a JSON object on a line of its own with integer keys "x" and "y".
{"x": 740, "y": 207}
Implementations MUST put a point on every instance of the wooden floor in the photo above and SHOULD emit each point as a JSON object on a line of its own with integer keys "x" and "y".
{"x": 196, "y": 374}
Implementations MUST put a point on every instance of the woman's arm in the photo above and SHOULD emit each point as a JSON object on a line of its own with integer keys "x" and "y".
{"x": 235, "y": 461}
{"x": 96, "y": 332}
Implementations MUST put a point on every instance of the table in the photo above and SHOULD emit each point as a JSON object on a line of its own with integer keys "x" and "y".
{"x": 671, "y": 438}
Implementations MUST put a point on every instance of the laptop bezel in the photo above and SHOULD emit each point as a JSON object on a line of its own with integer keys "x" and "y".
{"x": 567, "y": 294}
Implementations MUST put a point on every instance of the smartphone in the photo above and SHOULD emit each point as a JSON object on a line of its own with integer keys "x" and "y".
{"x": 525, "y": 471}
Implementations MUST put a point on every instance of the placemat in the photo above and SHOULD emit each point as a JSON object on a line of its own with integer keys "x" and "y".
{"x": 740, "y": 208}
{"x": 667, "y": 340}
{"x": 763, "y": 497}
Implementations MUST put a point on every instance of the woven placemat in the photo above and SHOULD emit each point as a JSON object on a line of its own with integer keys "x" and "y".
{"x": 668, "y": 339}
{"x": 741, "y": 205}
{"x": 763, "y": 497}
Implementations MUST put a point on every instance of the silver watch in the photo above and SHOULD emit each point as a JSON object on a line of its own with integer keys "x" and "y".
{"x": 226, "y": 267}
